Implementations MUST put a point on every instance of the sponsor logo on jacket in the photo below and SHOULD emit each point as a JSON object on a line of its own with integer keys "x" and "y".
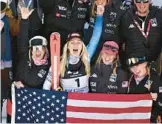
{"x": 125, "y": 84}
{"x": 110, "y": 25}
{"x": 154, "y": 22}
{"x": 82, "y": 9}
{"x": 41, "y": 73}
{"x": 112, "y": 87}
{"x": 131, "y": 26}
{"x": 62, "y": 8}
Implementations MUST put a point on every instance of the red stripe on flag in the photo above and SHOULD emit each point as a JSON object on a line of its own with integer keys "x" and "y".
{"x": 78, "y": 120}
{"x": 109, "y": 110}
{"x": 109, "y": 97}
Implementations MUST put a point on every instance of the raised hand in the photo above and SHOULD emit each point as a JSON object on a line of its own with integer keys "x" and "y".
{"x": 25, "y": 12}
{"x": 100, "y": 9}
{"x": 19, "y": 84}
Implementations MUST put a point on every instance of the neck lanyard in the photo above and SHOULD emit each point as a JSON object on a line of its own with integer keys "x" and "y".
{"x": 142, "y": 31}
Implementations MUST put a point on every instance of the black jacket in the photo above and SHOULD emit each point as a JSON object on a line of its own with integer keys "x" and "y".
{"x": 136, "y": 43}
{"x": 111, "y": 25}
{"x": 27, "y": 72}
{"x": 100, "y": 80}
{"x": 60, "y": 16}
{"x": 156, "y": 87}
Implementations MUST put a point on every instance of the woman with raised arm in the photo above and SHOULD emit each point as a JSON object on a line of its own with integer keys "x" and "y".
{"x": 33, "y": 56}
{"x": 75, "y": 61}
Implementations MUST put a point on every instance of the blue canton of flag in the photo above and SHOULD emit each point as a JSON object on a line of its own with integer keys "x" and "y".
{"x": 40, "y": 106}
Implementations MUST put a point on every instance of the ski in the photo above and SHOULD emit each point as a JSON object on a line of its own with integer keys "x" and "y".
{"x": 55, "y": 58}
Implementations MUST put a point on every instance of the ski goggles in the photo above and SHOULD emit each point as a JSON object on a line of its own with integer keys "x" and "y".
{"x": 107, "y": 48}
{"x": 135, "y": 61}
{"x": 39, "y": 47}
{"x": 139, "y": 1}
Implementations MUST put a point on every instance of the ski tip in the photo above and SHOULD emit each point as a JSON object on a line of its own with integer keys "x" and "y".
{"x": 55, "y": 33}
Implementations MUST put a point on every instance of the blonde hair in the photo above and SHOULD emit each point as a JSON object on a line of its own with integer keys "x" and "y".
{"x": 148, "y": 68}
{"x": 115, "y": 62}
{"x": 64, "y": 59}
{"x": 159, "y": 67}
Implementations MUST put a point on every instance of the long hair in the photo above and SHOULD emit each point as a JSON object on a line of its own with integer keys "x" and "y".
{"x": 148, "y": 69}
{"x": 159, "y": 67}
{"x": 115, "y": 62}
{"x": 84, "y": 58}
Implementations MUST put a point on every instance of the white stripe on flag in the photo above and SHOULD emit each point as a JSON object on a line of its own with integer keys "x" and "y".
{"x": 13, "y": 103}
{"x": 100, "y": 116}
{"x": 108, "y": 104}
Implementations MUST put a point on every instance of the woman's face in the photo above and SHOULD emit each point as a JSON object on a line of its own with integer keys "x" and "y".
{"x": 108, "y": 58}
{"x": 38, "y": 52}
{"x": 139, "y": 70}
{"x": 75, "y": 46}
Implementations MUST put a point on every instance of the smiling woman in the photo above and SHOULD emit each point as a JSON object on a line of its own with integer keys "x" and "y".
{"x": 75, "y": 61}
{"x": 75, "y": 65}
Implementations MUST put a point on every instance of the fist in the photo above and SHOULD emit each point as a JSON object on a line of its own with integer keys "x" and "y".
{"x": 19, "y": 84}
{"x": 100, "y": 9}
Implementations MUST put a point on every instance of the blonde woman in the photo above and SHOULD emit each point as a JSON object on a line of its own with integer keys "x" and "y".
{"x": 145, "y": 81}
{"x": 106, "y": 76}
{"x": 114, "y": 10}
{"x": 75, "y": 67}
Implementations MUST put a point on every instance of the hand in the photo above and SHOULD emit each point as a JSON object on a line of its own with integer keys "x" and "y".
{"x": 19, "y": 84}
{"x": 100, "y": 9}
{"x": 1, "y": 25}
{"x": 25, "y": 13}
{"x": 154, "y": 96}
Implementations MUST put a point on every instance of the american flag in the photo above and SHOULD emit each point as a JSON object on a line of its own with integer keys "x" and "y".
{"x": 42, "y": 106}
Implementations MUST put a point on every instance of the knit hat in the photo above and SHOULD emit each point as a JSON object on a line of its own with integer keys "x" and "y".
{"x": 73, "y": 35}
{"x": 110, "y": 47}
{"x": 38, "y": 40}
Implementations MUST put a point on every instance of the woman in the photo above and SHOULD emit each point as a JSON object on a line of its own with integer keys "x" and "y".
{"x": 75, "y": 67}
{"x": 33, "y": 58}
{"x": 144, "y": 81}
{"x": 106, "y": 76}
{"x": 33, "y": 63}
{"x": 111, "y": 23}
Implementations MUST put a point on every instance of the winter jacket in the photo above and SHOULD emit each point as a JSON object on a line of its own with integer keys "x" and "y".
{"x": 103, "y": 81}
{"x": 64, "y": 16}
{"x": 156, "y": 87}
{"x": 6, "y": 56}
{"x": 28, "y": 73}
{"x": 135, "y": 41}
